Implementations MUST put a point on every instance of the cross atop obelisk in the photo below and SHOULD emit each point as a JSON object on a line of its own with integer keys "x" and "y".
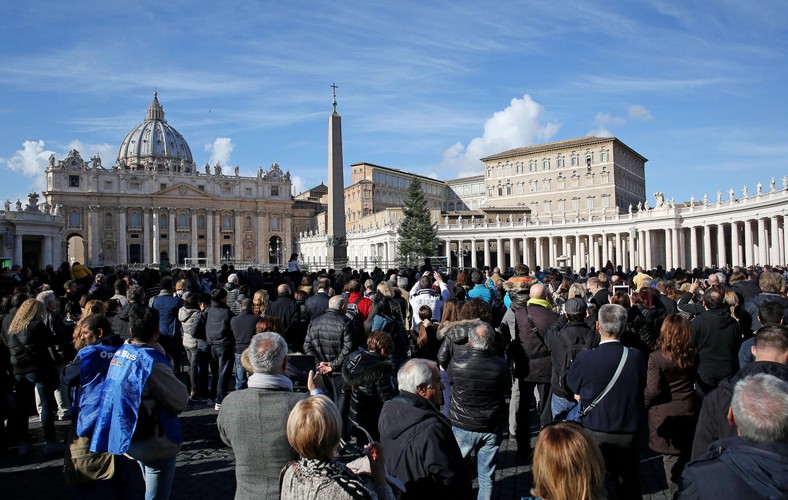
{"x": 334, "y": 86}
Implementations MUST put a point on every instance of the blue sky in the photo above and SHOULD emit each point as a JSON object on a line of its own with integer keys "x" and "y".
{"x": 697, "y": 87}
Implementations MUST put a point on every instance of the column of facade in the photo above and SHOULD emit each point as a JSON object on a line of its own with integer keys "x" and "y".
{"x": 527, "y": 255}
{"x": 57, "y": 252}
{"x": 581, "y": 252}
{"x": 706, "y": 245}
{"x": 648, "y": 247}
{"x": 95, "y": 238}
{"x": 487, "y": 256}
{"x": 605, "y": 250}
{"x": 668, "y": 255}
{"x": 550, "y": 251}
{"x": 156, "y": 235}
{"x": 122, "y": 245}
{"x": 722, "y": 254}
{"x": 630, "y": 243}
{"x": 736, "y": 259}
{"x": 172, "y": 250}
{"x": 473, "y": 253}
{"x": 590, "y": 249}
{"x": 641, "y": 252}
{"x": 193, "y": 230}
{"x": 237, "y": 233}
{"x": 748, "y": 243}
{"x": 619, "y": 251}
{"x": 46, "y": 257}
{"x": 146, "y": 230}
{"x": 674, "y": 243}
{"x": 774, "y": 254}
{"x": 501, "y": 256}
{"x": 763, "y": 242}
{"x": 513, "y": 253}
{"x": 781, "y": 243}
{"x": 576, "y": 253}
{"x": 18, "y": 249}
{"x": 785, "y": 241}
{"x": 447, "y": 252}
{"x": 538, "y": 252}
{"x": 209, "y": 239}
{"x": 262, "y": 238}
{"x": 694, "y": 247}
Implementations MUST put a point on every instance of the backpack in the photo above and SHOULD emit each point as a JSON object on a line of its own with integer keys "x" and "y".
{"x": 356, "y": 325}
{"x": 572, "y": 350}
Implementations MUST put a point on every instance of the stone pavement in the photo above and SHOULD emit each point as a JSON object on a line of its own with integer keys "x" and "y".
{"x": 205, "y": 467}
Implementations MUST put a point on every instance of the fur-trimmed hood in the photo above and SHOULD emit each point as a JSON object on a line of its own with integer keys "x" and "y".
{"x": 364, "y": 368}
{"x": 457, "y": 331}
{"x": 519, "y": 288}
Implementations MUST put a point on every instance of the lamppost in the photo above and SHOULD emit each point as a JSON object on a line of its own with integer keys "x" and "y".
{"x": 276, "y": 250}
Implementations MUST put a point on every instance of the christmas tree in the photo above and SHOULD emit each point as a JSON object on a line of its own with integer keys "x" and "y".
{"x": 417, "y": 234}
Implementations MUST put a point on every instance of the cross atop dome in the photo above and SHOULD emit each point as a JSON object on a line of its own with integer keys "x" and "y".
{"x": 334, "y": 86}
{"x": 155, "y": 111}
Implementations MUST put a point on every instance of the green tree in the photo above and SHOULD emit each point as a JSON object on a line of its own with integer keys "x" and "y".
{"x": 417, "y": 234}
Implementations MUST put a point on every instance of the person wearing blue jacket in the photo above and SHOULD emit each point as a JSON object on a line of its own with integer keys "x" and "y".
{"x": 140, "y": 403}
{"x": 484, "y": 288}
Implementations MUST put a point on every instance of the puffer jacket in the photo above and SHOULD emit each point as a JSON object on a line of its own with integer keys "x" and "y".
{"x": 232, "y": 298}
{"x": 648, "y": 323}
{"x": 30, "y": 349}
{"x": 455, "y": 340}
{"x": 190, "y": 321}
{"x": 371, "y": 378}
{"x": 480, "y": 381}
{"x": 330, "y": 338}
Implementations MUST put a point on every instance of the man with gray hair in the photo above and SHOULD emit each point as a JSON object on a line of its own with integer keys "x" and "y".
{"x": 754, "y": 463}
{"x": 421, "y": 450}
{"x": 609, "y": 382}
{"x": 253, "y": 422}
{"x": 480, "y": 381}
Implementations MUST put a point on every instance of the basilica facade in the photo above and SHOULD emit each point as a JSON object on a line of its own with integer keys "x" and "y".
{"x": 154, "y": 204}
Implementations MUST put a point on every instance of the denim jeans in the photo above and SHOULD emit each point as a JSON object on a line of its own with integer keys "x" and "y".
{"x": 562, "y": 409}
{"x": 222, "y": 357}
{"x": 27, "y": 385}
{"x": 158, "y": 478}
{"x": 240, "y": 374}
{"x": 486, "y": 445}
{"x": 198, "y": 368}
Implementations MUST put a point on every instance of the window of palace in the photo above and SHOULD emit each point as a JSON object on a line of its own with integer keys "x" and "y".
{"x": 107, "y": 220}
{"x": 162, "y": 186}
{"x": 561, "y": 205}
{"x": 561, "y": 182}
{"x": 547, "y": 206}
{"x": 134, "y": 219}
{"x": 74, "y": 219}
{"x": 274, "y": 223}
{"x": 508, "y": 187}
{"x": 532, "y": 166}
{"x": 546, "y": 164}
{"x": 183, "y": 221}
{"x": 162, "y": 221}
{"x": 575, "y": 181}
{"x": 590, "y": 202}
{"x": 274, "y": 190}
{"x": 560, "y": 162}
{"x": 604, "y": 155}
{"x": 589, "y": 179}
{"x": 532, "y": 186}
{"x": 575, "y": 204}
{"x": 574, "y": 161}
{"x": 605, "y": 201}
{"x": 201, "y": 222}
{"x": 73, "y": 181}
{"x": 519, "y": 167}
{"x": 248, "y": 223}
{"x": 546, "y": 184}
{"x": 227, "y": 221}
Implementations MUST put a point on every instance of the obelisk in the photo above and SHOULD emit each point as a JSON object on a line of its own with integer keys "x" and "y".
{"x": 335, "y": 228}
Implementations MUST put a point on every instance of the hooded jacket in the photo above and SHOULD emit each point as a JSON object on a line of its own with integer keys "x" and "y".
{"x": 455, "y": 340}
{"x": 737, "y": 468}
{"x": 421, "y": 450}
{"x": 371, "y": 377}
{"x": 713, "y": 419}
{"x": 190, "y": 321}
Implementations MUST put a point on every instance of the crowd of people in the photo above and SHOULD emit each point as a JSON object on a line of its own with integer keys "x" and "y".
{"x": 415, "y": 377}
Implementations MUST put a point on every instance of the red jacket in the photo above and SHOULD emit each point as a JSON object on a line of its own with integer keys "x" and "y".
{"x": 364, "y": 307}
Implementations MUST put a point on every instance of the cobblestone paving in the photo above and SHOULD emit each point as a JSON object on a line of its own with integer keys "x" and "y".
{"x": 205, "y": 467}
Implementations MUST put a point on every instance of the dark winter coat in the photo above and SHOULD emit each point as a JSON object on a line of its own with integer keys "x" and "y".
{"x": 480, "y": 381}
{"x": 371, "y": 378}
{"x": 455, "y": 340}
{"x": 558, "y": 341}
{"x": 648, "y": 323}
{"x": 713, "y": 419}
{"x": 330, "y": 338}
{"x": 244, "y": 327}
{"x": 716, "y": 338}
{"x": 539, "y": 364}
{"x": 751, "y": 307}
{"x": 30, "y": 349}
{"x": 120, "y": 322}
{"x": 316, "y": 305}
{"x": 421, "y": 450}
{"x": 672, "y": 405}
{"x": 217, "y": 325}
{"x": 737, "y": 468}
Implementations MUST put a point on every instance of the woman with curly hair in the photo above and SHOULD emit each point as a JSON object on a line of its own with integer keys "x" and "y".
{"x": 32, "y": 348}
{"x": 260, "y": 302}
{"x": 670, "y": 397}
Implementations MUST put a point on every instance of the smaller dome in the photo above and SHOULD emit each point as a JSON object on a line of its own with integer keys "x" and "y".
{"x": 155, "y": 144}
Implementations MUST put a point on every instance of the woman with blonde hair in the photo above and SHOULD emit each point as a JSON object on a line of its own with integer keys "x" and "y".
{"x": 260, "y": 302}
{"x": 314, "y": 428}
{"x": 670, "y": 397}
{"x": 732, "y": 301}
{"x": 33, "y": 358}
{"x": 91, "y": 307}
{"x": 567, "y": 464}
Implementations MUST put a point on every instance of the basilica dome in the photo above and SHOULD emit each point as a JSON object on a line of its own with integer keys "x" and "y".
{"x": 155, "y": 145}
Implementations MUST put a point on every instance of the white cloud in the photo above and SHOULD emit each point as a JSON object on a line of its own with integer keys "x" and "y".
{"x": 518, "y": 125}
{"x": 599, "y": 132}
{"x": 639, "y": 113}
{"x": 604, "y": 119}
{"x": 30, "y": 161}
{"x": 220, "y": 149}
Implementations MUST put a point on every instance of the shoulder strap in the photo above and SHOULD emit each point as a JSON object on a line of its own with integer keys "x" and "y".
{"x": 534, "y": 329}
{"x": 588, "y": 409}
